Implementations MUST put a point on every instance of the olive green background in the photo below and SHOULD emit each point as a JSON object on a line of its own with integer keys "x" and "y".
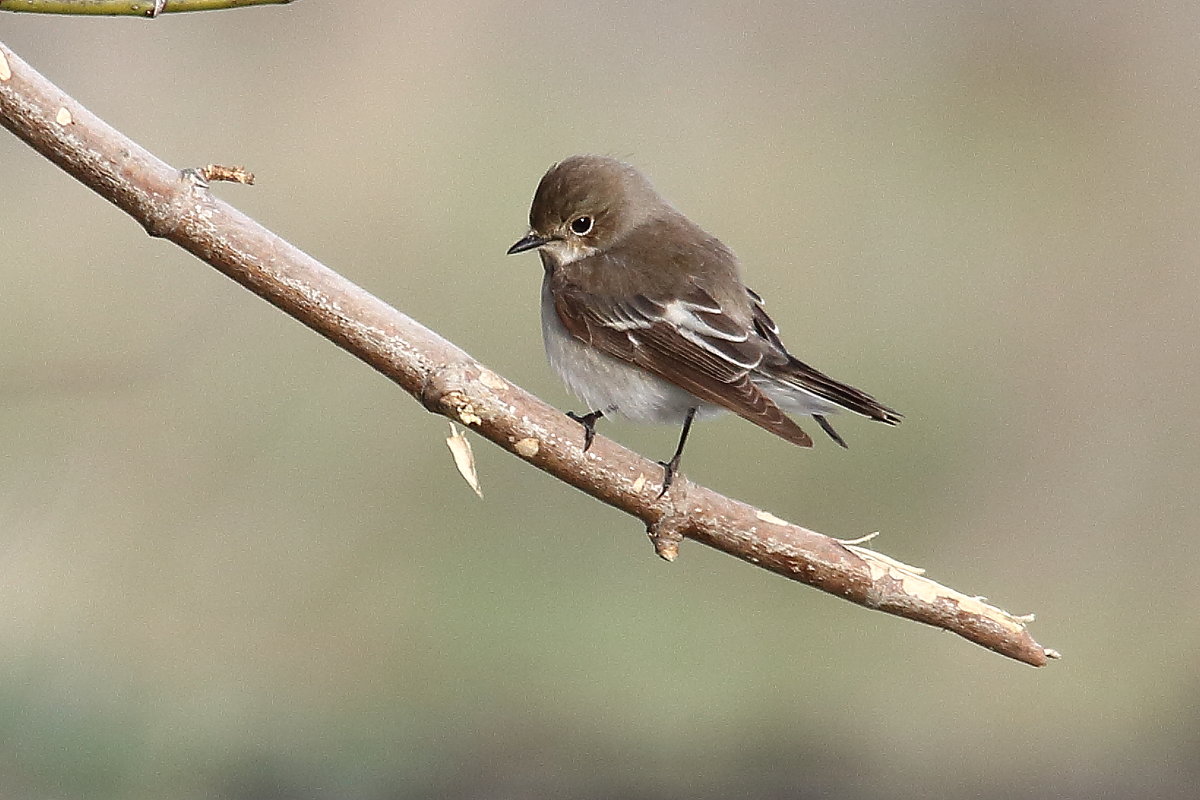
{"x": 236, "y": 563}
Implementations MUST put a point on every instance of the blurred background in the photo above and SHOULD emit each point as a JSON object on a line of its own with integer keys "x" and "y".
{"x": 236, "y": 563}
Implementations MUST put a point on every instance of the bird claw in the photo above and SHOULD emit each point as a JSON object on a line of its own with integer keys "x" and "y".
{"x": 668, "y": 477}
{"x": 588, "y": 421}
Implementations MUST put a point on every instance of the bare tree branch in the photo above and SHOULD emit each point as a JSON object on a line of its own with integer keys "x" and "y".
{"x": 177, "y": 206}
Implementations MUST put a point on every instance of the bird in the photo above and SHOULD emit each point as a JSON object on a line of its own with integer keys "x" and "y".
{"x": 645, "y": 315}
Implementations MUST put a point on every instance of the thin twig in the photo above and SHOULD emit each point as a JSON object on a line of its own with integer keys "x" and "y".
{"x": 217, "y": 172}
{"x": 128, "y": 8}
{"x": 176, "y": 205}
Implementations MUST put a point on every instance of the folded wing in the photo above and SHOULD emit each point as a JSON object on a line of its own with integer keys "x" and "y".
{"x": 688, "y": 341}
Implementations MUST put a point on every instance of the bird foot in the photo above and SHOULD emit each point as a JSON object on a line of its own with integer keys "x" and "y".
{"x": 588, "y": 421}
{"x": 670, "y": 469}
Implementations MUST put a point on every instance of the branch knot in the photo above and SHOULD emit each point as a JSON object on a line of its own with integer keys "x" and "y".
{"x": 672, "y": 526}
{"x": 164, "y": 217}
{"x": 449, "y": 389}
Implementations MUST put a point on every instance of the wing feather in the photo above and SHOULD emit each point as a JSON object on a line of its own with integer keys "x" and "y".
{"x": 686, "y": 341}
{"x": 788, "y": 369}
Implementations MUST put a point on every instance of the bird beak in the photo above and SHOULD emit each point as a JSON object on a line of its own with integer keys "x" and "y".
{"x": 531, "y": 241}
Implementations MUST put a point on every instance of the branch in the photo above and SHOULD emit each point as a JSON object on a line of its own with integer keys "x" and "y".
{"x": 178, "y": 206}
{"x": 127, "y": 8}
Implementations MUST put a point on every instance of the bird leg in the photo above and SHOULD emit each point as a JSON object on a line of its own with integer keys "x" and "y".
{"x": 588, "y": 421}
{"x": 825, "y": 426}
{"x": 670, "y": 467}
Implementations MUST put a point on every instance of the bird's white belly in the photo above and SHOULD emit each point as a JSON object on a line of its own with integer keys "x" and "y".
{"x": 610, "y": 385}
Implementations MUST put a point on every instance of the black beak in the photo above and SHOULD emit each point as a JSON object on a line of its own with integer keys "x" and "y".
{"x": 531, "y": 242}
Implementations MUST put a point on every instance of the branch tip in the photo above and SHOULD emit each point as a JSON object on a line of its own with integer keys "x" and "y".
{"x": 668, "y": 530}
{"x": 665, "y": 534}
{"x": 666, "y": 542}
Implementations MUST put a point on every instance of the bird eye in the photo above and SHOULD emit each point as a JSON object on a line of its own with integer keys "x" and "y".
{"x": 581, "y": 225}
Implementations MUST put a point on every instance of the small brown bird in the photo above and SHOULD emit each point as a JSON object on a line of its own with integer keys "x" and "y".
{"x": 645, "y": 315}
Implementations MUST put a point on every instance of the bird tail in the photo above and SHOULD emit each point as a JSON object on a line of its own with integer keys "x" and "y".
{"x": 800, "y": 375}
{"x": 783, "y": 368}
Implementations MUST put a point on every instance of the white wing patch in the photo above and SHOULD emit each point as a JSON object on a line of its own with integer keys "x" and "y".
{"x": 686, "y": 319}
{"x": 682, "y": 315}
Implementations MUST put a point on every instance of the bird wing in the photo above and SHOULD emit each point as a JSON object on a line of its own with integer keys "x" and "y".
{"x": 689, "y": 341}
{"x": 788, "y": 369}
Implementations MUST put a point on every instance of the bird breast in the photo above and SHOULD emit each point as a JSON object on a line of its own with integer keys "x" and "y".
{"x": 608, "y": 384}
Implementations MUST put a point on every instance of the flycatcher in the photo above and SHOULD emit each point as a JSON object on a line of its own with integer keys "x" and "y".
{"x": 645, "y": 315}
